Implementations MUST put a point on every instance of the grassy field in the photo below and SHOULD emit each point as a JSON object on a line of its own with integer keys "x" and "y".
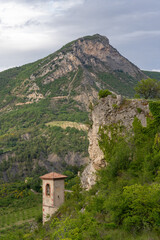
{"x": 65, "y": 124}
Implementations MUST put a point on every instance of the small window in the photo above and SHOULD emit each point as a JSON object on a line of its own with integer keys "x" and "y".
{"x": 48, "y": 190}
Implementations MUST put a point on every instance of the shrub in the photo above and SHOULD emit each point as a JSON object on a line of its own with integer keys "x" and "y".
{"x": 39, "y": 218}
{"x": 142, "y": 202}
{"x": 104, "y": 93}
{"x": 115, "y": 106}
{"x": 148, "y": 88}
{"x": 139, "y": 110}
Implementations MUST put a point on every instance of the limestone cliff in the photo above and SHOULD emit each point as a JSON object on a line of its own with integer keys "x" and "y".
{"x": 109, "y": 110}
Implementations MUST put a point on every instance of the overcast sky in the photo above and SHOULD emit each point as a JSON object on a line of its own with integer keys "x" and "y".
{"x": 32, "y": 29}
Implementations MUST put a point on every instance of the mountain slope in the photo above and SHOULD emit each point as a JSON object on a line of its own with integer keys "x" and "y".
{"x": 153, "y": 74}
{"x": 77, "y": 70}
{"x": 59, "y": 87}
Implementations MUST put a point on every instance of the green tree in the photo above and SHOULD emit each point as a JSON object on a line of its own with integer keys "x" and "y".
{"x": 148, "y": 88}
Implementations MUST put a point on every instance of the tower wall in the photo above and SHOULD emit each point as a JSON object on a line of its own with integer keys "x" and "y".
{"x": 53, "y": 193}
{"x": 58, "y": 192}
{"x": 48, "y": 201}
{"x": 48, "y": 212}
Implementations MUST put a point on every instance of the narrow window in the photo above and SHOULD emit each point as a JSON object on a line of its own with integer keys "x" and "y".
{"x": 48, "y": 190}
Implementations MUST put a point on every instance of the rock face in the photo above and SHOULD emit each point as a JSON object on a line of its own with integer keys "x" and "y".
{"x": 94, "y": 51}
{"x": 51, "y": 162}
{"x": 110, "y": 110}
{"x": 101, "y": 66}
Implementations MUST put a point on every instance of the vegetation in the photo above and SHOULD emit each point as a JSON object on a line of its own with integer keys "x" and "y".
{"x": 148, "y": 88}
{"x": 152, "y": 74}
{"x": 18, "y": 203}
{"x": 24, "y": 136}
{"x": 104, "y": 93}
{"x": 40, "y": 113}
{"x": 38, "y": 145}
{"x": 21, "y": 205}
{"x": 92, "y": 37}
{"x": 77, "y": 79}
{"x": 65, "y": 124}
{"x": 12, "y": 78}
{"x": 119, "y": 82}
{"x": 18, "y": 121}
{"x": 124, "y": 203}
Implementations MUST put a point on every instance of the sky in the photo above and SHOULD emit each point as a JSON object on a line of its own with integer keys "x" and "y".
{"x": 33, "y": 29}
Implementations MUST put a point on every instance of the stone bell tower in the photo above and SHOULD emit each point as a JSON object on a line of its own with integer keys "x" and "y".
{"x": 53, "y": 193}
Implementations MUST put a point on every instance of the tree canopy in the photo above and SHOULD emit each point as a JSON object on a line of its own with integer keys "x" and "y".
{"x": 148, "y": 88}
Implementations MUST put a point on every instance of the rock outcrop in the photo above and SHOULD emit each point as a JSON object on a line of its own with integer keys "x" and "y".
{"x": 108, "y": 111}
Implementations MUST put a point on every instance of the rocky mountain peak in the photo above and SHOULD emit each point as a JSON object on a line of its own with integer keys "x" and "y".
{"x": 77, "y": 71}
{"x": 90, "y": 51}
{"x": 101, "y": 66}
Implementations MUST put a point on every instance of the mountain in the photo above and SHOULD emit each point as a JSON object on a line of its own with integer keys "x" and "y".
{"x": 44, "y": 126}
{"x": 78, "y": 70}
{"x": 59, "y": 87}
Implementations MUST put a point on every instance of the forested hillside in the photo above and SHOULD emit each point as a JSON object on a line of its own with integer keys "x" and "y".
{"x": 152, "y": 74}
{"x": 124, "y": 203}
{"x": 25, "y": 139}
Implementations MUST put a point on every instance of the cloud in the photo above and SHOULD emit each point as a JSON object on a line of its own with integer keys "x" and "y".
{"x": 155, "y": 70}
{"x": 15, "y": 13}
{"x": 32, "y": 28}
{"x": 132, "y": 36}
{"x": 27, "y": 27}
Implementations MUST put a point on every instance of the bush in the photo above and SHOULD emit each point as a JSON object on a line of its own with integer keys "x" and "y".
{"x": 39, "y": 218}
{"x": 142, "y": 205}
{"x": 148, "y": 88}
{"x": 104, "y": 93}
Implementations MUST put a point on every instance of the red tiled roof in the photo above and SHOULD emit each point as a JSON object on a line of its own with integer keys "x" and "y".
{"x": 53, "y": 175}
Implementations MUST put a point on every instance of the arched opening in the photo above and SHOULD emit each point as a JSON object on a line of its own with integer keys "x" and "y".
{"x": 47, "y": 189}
